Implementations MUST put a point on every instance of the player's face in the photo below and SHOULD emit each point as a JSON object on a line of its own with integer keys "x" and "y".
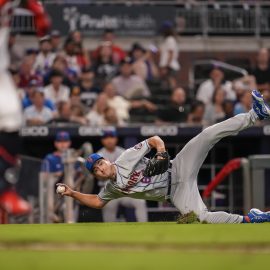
{"x": 62, "y": 146}
{"x": 109, "y": 142}
{"x": 102, "y": 169}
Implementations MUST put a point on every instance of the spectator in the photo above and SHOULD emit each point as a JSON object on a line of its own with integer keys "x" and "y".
{"x": 59, "y": 64}
{"x": 214, "y": 111}
{"x": 110, "y": 117}
{"x": 228, "y": 107}
{"x": 243, "y": 84}
{"x": 26, "y": 72}
{"x": 76, "y": 36}
{"x": 168, "y": 49}
{"x": 86, "y": 90}
{"x": 45, "y": 56}
{"x": 111, "y": 152}
{"x": 122, "y": 106}
{"x": 69, "y": 114}
{"x": 175, "y": 111}
{"x": 70, "y": 56}
{"x": 56, "y": 91}
{"x": 216, "y": 80}
{"x": 262, "y": 70}
{"x": 64, "y": 113}
{"x": 27, "y": 101}
{"x": 83, "y": 58}
{"x": 55, "y": 40}
{"x": 105, "y": 68}
{"x": 244, "y": 104}
{"x": 37, "y": 114}
{"x": 195, "y": 117}
{"x": 77, "y": 114}
{"x": 129, "y": 85}
{"x": 143, "y": 63}
{"x": 96, "y": 117}
{"x": 15, "y": 51}
{"x": 118, "y": 53}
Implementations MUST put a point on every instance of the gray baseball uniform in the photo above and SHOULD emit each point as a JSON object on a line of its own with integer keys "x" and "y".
{"x": 184, "y": 193}
{"x": 109, "y": 212}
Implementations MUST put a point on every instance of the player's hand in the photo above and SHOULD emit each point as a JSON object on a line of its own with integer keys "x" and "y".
{"x": 68, "y": 191}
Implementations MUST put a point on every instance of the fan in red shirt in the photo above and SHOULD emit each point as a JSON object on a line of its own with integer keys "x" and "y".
{"x": 118, "y": 54}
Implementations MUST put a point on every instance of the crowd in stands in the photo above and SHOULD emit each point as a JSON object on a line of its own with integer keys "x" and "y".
{"x": 62, "y": 82}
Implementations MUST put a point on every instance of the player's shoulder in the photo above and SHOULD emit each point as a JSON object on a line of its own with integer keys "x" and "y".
{"x": 52, "y": 157}
{"x": 101, "y": 151}
{"x": 120, "y": 149}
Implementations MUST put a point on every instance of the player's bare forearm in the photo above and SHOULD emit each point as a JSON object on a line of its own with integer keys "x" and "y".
{"x": 89, "y": 200}
{"x": 157, "y": 143}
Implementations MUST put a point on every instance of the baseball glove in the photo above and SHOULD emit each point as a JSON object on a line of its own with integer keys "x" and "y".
{"x": 157, "y": 165}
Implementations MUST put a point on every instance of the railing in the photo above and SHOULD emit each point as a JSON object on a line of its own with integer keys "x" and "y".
{"x": 23, "y": 21}
{"x": 191, "y": 18}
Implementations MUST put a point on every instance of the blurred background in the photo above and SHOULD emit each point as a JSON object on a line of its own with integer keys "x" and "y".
{"x": 109, "y": 74}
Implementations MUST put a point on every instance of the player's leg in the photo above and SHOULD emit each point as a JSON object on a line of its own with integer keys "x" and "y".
{"x": 187, "y": 199}
{"x": 188, "y": 162}
{"x": 186, "y": 196}
{"x": 109, "y": 211}
{"x": 139, "y": 206}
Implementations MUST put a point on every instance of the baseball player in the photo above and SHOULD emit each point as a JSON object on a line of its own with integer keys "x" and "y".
{"x": 132, "y": 175}
{"x": 110, "y": 151}
{"x": 10, "y": 108}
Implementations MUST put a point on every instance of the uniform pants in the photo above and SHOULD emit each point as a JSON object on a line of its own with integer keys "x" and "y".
{"x": 109, "y": 212}
{"x": 186, "y": 165}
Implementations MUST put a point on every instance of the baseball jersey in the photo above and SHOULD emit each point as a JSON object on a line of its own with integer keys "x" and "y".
{"x": 52, "y": 163}
{"x": 130, "y": 181}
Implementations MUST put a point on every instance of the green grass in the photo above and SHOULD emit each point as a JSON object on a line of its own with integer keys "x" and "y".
{"x": 134, "y": 246}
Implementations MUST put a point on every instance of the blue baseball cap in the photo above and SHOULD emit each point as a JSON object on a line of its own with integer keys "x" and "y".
{"x": 62, "y": 136}
{"x": 109, "y": 133}
{"x": 91, "y": 160}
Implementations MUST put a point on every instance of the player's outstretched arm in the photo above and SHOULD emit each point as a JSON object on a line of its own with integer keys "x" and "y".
{"x": 157, "y": 143}
{"x": 90, "y": 200}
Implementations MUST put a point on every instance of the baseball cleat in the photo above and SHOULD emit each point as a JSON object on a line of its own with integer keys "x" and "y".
{"x": 260, "y": 107}
{"x": 257, "y": 216}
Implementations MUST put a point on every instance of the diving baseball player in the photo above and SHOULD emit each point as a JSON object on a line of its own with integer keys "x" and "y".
{"x": 10, "y": 107}
{"x": 133, "y": 175}
{"x": 110, "y": 151}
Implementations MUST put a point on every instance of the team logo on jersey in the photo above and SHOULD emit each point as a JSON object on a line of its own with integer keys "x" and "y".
{"x": 133, "y": 180}
{"x": 138, "y": 146}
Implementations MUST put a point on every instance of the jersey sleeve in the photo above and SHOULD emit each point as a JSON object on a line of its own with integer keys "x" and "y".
{"x": 109, "y": 193}
{"x": 130, "y": 157}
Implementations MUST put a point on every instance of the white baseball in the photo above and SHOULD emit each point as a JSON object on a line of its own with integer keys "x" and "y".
{"x": 60, "y": 189}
